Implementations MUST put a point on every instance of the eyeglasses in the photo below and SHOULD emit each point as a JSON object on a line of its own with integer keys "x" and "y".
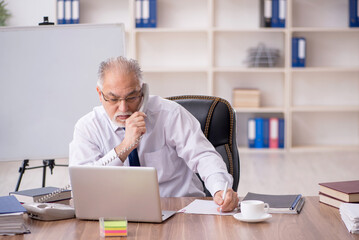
{"x": 130, "y": 99}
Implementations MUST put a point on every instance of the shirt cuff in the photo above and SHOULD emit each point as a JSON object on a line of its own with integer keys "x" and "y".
{"x": 109, "y": 158}
{"x": 216, "y": 182}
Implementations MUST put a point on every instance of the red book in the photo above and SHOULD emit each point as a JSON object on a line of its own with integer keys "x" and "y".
{"x": 347, "y": 191}
{"x": 273, "y": 133}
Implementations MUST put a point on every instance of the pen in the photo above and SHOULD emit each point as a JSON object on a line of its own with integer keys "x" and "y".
{"x": 224, "y": 193}
{"x": 296, "y": 201}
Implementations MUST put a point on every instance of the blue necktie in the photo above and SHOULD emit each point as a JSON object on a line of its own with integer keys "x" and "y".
{"x": 133, "y": 157}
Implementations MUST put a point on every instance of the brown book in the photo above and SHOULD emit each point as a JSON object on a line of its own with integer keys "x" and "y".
{"x": 347, "y": 191}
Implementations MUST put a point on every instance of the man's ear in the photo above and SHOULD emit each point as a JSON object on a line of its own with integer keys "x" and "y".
{"x": 99, "y": 93}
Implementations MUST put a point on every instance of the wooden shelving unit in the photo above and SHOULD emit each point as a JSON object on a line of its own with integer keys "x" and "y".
{"x": 199, "y": 47}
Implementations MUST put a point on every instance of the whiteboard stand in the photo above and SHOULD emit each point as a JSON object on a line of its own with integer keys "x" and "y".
{"x": 45, "y": 163}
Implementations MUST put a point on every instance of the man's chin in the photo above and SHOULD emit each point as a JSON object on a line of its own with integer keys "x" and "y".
{"x": 119, "y": 124}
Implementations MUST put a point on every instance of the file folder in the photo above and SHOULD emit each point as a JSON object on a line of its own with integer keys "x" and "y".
{"x": 273, "y": 133}
{"x": 266, "y": 133}
{"x": 251, "y": 132}
{"x": 67, "y": 11}
{"x": 138, "y": 11}
{"x": 153, "y": 14}
{"x": 259, "y": 141}
{"x": 279, "y": 13}
{"x": 282, "y": 13}
{"x": 353, "y": 13}
{"x": 281, "y": 132}
{"x": 60, "y": 12}
{"x": 298, "y": 52}
{"x": 145, "y": 13}
{"x": 266, "y": 13}
{"x": 75, "y": 11}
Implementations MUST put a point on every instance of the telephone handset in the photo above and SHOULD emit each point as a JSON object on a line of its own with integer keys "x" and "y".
{"x": 54, "y": 211}
{"x": 144, "y": 101}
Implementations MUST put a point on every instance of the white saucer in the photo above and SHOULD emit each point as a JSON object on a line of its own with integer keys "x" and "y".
{"x": 239, "y": 216}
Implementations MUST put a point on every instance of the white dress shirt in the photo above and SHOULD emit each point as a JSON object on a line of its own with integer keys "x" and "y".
{"x": 174, "y": 144}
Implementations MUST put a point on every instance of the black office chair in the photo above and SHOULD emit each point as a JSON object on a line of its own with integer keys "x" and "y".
{"x": 218, "y": 123}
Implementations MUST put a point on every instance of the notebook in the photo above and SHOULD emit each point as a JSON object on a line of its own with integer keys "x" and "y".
{"x": 112, "y": 192}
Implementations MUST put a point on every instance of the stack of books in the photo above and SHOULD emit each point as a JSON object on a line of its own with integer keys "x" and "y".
{"x": 336, "y": 193}
{"x": 246, "y": 98}
{"x": 43, "y": 195}
{"x": 291, "y": 204}
{"x": 350, "y": 216}
{"x": 11, "y": 216}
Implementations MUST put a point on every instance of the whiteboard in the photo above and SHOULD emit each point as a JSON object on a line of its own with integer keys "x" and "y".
{"x": 48, "y": 77}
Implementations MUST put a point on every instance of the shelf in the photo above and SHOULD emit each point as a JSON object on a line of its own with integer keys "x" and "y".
{"x": 261, "y": 150}
{"x": 325, "y": 29}
{"x": 325, "y": 109}
{"x": 325, "y": 69}
{"x": 201, "y": 47}
{"x": 175, "y": 69}
{"x": 249, "y": 70}
{"x": 260, "y": 110}
{"x": 170, "y": 30}
{"x": 250, "y": 30}
{"x": 321, "y": 148}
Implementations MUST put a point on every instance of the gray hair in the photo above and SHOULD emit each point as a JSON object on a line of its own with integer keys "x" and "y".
{"x": 120, "y": 64}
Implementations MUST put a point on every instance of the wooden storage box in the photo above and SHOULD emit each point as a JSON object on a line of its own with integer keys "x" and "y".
{"x": 246, "y": 98}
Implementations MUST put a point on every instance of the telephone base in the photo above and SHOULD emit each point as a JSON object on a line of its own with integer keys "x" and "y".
{"x": 49, "y": 211}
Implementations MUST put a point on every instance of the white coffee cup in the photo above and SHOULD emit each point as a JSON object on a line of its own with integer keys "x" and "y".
{"x": 253, "y": 209}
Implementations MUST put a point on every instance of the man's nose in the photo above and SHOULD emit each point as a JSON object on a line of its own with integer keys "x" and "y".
{"x": 122, "y": 105}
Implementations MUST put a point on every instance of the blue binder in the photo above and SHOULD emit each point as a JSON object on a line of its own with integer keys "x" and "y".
{"x": 275, "y": 14}
{"x": 153, "y": 14}
{"x": 138, "y": 15}
{"x": 280, "y": 133}
{"x": 298, "y": 52}
{"x": 251, "y": 132}
{"x": 259, "y": 143}
{"x": 353, "y": 13}
{"x": 75, "y": 11}
{"x": 266, "y": 133}
{"x": 148, "y": 13}
{"x": 68, "y": 12}
{"x": 60, "y": 12}
{"x": 282, "y": 12}
{"x": 294, "y": 52}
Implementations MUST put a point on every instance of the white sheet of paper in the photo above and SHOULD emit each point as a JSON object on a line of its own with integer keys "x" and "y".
{"x": 199, "y": 206}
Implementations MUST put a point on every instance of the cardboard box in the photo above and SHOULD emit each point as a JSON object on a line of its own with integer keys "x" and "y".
{"x": 246, "y": 98}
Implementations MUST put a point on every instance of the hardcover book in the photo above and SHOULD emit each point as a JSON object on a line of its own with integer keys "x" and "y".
{"x": 323, "y": 198}
{"x": 347, "y": 191}
{"x": 11, "y": 216}
{"x": 34, "y": 195}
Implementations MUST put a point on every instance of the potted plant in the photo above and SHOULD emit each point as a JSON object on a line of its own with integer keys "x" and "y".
{"x": 4, "y": 13}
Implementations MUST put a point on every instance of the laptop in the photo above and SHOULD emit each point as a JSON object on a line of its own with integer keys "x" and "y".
{"x": 113, "y": 191}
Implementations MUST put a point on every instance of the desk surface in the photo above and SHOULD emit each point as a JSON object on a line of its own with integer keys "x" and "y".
{"x": 316, "y": 221}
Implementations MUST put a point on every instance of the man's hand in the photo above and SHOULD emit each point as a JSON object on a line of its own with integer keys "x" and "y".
{"x": 135, "y": 128}
{"x": 230, "y": 202}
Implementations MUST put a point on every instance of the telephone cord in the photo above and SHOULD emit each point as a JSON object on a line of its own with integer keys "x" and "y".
{"x": 58, "y": 191}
